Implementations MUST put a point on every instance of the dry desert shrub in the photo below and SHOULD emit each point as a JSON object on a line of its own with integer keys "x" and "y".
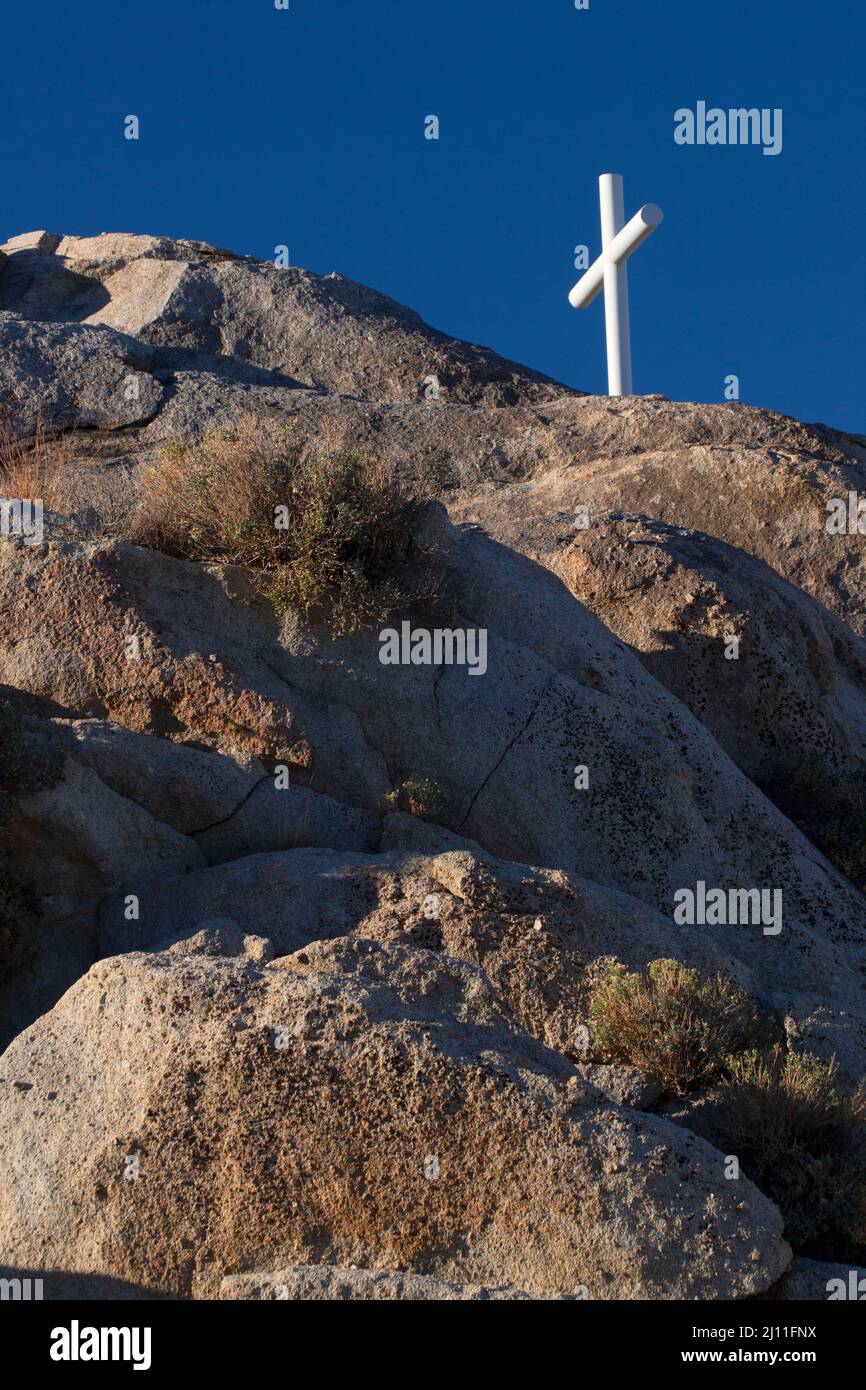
{"x": 802, "y": 1139}
{"x": 799, "y": 1135}
{"x": 676, "y": 1024}
{"x": 328, "y": 528}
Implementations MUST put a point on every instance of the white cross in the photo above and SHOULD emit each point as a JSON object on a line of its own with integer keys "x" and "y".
{"x": 610, "y": 274}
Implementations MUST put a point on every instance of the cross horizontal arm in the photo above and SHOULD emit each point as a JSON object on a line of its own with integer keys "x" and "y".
{"x": 624, "y": 243}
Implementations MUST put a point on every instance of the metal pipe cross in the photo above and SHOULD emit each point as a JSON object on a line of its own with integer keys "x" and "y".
{"x": 609, "y": 273}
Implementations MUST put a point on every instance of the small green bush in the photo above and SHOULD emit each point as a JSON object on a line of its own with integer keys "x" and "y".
{"x": 802, "y": 1141}
{"x": 438, "y": 469}
{"x": 328, "y": 529}
{"x": 672, "y": 1022}
{"x": 420, "y": 797}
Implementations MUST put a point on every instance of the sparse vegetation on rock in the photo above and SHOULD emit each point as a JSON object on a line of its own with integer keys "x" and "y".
{"x": 798, "y": 1133}
{"x": 329, "y": 530}
{"x": 673, "y": 1022}
{"x": 419, "y": 796}
{"x": 35, "y": 467}
{"x": 801, "y": 1136}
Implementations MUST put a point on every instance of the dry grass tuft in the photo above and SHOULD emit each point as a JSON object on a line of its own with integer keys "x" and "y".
{"x": 35, "y": 468}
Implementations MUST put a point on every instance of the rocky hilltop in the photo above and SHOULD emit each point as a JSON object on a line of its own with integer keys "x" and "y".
{"x": 279, "y": 1025}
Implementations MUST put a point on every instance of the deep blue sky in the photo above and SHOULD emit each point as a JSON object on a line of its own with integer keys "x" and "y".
{"x": 305, "y": 127}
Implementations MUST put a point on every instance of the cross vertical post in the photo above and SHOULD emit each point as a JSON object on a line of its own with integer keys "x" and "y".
{"x": 616, "y": 325}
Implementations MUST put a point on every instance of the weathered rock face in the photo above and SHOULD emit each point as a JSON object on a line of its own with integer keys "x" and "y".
{"x": 350, "y": 1104}
{"x": 191, "y": 298}
{"x": 533, "y": 932}
{"x": 793, "y": 680}
{"x": 219, "y": 334}
{"x": 229, "y": 806}
{"x": 293, "y": 997}
{"x": 188, "y": 788}
{"x": 759, "y": 481}
{"x": 75, "y": 841}
{"x": 80, "y": 838}
{"x": 71, "y": 376}
{"x": 215, "y": 670}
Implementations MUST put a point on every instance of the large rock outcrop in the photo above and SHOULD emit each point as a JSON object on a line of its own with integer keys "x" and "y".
{"x": 190, "y": 299}
{"x": 349, "y": 1104}
{"x": 216, "y": 671}
{"x": 341, "y": 1049}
